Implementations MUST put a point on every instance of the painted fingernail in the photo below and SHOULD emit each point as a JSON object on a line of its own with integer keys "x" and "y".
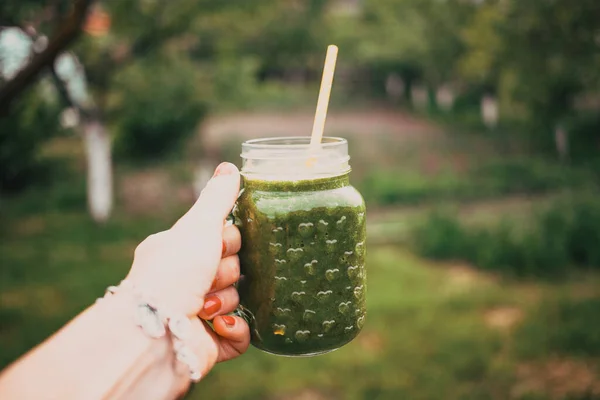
{"x": 212, "y": 305}
{"x": 224, "y": 168}
{"x": 223, "y": 248}
{"x": 229, "y": 321}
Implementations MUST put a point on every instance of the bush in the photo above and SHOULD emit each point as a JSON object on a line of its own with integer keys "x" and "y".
{"x": 160, "y": 109}
{"x": 583, "y": 242}
{"x": 441, "y": 236}
{"x": 392, "y": 187}
{"x": 32, "y": 120}
{"x": 527, "y": 175}
{"x": 565, "y": 235}
{"x": 563, "y": 327}
{"x": 490, "y": 179}
{"x": 583, "y": 132}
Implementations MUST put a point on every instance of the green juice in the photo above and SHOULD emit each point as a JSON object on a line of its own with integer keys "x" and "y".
{"x": 303, "y": 263}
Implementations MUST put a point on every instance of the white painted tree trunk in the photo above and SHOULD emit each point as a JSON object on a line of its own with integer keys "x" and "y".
{"x": 394, "y": 87}
{"x": 444, "y": 97}
{"x": 419, "y": 97}
{"x": 489, "y": 111}
{"x": 561, "y": 140}
{"x": 99, "y": 169}
{"x": 202, "y": 174}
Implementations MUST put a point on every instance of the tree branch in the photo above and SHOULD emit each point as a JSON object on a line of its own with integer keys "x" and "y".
{"x": 68, "y": 31}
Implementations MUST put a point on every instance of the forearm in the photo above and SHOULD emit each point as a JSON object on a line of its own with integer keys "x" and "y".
{"x": 101, "y": 354}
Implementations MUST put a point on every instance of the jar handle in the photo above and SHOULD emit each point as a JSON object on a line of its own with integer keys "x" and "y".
{"x": 240, "y": 311}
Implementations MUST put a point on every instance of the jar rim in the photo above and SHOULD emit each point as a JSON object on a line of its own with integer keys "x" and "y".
{"x": 290, "y": 142}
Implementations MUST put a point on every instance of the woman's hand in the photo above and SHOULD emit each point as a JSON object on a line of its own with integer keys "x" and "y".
{"x": 191, "y": 268}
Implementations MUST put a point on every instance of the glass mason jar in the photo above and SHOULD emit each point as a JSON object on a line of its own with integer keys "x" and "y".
{"x": 303, "y": 246}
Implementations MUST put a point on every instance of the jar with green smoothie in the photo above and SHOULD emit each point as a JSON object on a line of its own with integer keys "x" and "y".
{"x": 303, "y": 232}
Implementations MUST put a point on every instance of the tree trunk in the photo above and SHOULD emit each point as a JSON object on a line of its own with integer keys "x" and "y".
{"x": 489, "y": 111}
{"x": 68, "y": 31}
{"x": 99, "y": 168}
{"x": 561, "y": 141}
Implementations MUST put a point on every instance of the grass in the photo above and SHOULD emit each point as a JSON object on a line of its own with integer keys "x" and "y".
{"x": 426, "y": 335}
{"x": 435, "y": 330}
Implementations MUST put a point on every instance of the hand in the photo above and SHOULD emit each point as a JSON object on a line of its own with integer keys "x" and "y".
{"x": 191, "y": 268}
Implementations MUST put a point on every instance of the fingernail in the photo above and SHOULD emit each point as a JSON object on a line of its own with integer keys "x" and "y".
{"x": 223, "y": 248}
{"x": 229, "y": 321}
{"x": 224, "y": 168}
{"x": 212, "y": 305}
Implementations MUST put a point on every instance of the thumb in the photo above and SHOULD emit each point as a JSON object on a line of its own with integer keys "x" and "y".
{"x": 216, "y": 199}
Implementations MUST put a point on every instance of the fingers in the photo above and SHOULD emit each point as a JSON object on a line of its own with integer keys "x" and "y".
{"x": 232, "y": 240}
{"x": 234, "y": 336}
{"x": 228, "y": 273}
{"x": 219, "y": 303}
{"x": 215, "y": 201}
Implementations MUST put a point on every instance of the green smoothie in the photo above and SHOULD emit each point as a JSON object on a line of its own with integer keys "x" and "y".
{"x": 303, "y": 263}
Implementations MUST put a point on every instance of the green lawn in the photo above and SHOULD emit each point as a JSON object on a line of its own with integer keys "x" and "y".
{"x": 434, "y": 331}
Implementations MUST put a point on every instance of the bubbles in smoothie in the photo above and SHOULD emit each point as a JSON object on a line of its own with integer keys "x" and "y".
{"x": 341, "y": 223}
{"x": 349, "y": 329}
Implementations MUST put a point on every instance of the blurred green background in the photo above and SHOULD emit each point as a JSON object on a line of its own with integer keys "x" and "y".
{"x": 474, "y": 131}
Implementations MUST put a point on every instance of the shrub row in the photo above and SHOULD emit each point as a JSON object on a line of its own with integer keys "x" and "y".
{"x": 565, "y": 236}
{"x": 497, "y": 178}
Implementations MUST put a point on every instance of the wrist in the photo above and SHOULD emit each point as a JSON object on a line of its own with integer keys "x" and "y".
{"x": 157, "y": 322}
{"x": 153, "y": 357}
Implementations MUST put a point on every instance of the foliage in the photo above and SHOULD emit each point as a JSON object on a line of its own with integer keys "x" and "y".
{"x": 493, "y": 178}
{"x": 564, "y": 326}
{"x": 33, "y": 120}
{"x": 64, "y": 261}
{"x": 159, "y": 110}
{"x": 565, "y": 235}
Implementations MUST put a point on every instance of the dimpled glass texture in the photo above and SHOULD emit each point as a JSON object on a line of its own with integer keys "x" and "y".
{"x": 303, "y": 251}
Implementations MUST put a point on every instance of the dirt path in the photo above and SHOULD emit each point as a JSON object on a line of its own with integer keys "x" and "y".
{"x": 262, "y": 124}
